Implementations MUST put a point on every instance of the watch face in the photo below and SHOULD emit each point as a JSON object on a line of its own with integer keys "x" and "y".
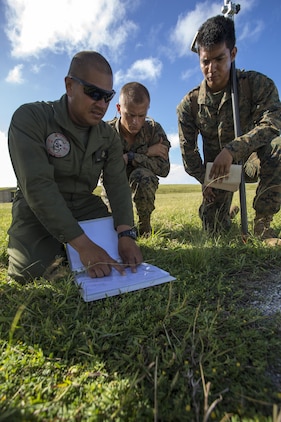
{"x": 130, "y": 233}
{"x": 134, "y": 233}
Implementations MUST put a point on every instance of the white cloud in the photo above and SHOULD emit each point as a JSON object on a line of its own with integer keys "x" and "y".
{"x": 8, "y": 178}
{"x": 251, "y": 31}
{"x": 174, "y": 139}
{"x": 187, "y": 26}
{"x": 15, "y": 75}
{"x": 189, "y": 73}
{"x": 177, "y": 175}
{"x": 35, "y": 68}
{"x": 145, "y": 69}
{"x": 247, "y": 5}
{"x": 66, "y": 25}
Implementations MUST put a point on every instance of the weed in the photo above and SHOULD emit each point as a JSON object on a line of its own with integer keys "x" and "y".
{"x": 196, "y": 349}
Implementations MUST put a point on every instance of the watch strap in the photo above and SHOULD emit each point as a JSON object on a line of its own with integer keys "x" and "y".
{"x": 129, "y": 233}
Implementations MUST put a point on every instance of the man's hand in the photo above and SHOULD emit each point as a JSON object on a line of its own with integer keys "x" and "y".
{"x": 221, "y": 165}
{"x": 208, "y": 193}
{"x": 158, "y": 150}
{"x": 95, "y": 259}
{"x": 130, "y": 252}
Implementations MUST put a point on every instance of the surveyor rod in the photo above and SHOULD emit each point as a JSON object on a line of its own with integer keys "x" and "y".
{"x": 230, "y": 9}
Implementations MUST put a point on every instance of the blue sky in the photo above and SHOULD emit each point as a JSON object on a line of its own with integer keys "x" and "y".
{"x": 144, "y": 40}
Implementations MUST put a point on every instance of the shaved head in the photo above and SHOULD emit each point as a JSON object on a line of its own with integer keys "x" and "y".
{"x": 84, "y": 61}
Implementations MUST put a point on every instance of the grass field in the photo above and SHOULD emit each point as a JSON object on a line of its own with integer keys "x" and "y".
{"x": 200, "y": 348}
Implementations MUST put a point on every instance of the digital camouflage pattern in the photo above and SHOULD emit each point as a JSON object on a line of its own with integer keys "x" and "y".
{"x": 143, "y": 176}
{"x": 258, "y": 147}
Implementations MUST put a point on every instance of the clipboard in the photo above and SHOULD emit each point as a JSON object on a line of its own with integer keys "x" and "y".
{"x": 102, "y": 232}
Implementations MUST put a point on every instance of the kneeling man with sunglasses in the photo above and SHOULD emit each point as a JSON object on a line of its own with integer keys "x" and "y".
{"x": 58, "y": 150}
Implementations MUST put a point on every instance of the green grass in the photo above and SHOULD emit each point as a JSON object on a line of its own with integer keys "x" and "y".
{"x": 197, "y": 349}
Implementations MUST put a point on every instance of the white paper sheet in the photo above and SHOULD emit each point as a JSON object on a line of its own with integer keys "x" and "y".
{"x": 102, "y": 232}
{"x": 230, "y": 183}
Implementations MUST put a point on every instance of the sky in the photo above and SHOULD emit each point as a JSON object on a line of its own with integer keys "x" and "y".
{"x": 144, "y": 40}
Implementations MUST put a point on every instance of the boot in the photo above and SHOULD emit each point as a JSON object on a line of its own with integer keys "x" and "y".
{"x": 262, "y": 227}
{"x": 57, "y": 270}
{"x": 144, "y": 226}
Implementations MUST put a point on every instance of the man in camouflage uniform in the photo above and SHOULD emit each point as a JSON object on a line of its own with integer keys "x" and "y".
{"x": 145, "y": 149}
{"x": 208, "y": 110}
{"x": 58, "y": 150}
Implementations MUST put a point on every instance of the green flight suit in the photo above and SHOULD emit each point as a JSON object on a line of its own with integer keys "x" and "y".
{"x": 258, "y": 147}
{"x": 57, "y": 170}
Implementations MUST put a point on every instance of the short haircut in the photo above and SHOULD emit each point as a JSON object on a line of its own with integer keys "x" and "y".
{"x": 134, "y": 92}
{"x": 216, "y": 30}
{"x": 83, "y": 61}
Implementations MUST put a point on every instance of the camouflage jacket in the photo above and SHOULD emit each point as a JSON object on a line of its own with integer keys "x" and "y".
{"x": 149, "y": 135}
{"x": 260, "y": 121}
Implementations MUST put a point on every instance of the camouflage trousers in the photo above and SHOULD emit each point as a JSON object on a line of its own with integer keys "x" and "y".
{"x": 263, "y": 166}
{"x": 143, "y": 183}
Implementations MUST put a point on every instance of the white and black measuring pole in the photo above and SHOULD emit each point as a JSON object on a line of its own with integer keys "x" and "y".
{"x": 229, "y": 10}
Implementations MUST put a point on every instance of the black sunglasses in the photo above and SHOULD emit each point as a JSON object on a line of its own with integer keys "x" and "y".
{"x": 93, "y": 91}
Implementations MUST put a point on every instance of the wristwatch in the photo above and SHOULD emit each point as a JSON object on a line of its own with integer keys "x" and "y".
{"x": 129, "y": 233}
{"x": 130, "y": 156}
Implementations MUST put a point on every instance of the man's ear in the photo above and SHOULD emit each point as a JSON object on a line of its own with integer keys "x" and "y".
{"x": 118, "y": 108}
{"x": 68, "y": 85}
{"x": 233, "y": 53}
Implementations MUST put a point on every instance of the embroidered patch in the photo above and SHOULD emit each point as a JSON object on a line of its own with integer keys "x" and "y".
{"x": 57, "y": 145}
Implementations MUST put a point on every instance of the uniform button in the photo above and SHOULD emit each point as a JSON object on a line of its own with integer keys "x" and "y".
{"x": 61, "y": 238}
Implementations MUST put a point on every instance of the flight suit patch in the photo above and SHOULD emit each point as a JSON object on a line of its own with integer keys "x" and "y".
{"x": 57, "y": 145}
